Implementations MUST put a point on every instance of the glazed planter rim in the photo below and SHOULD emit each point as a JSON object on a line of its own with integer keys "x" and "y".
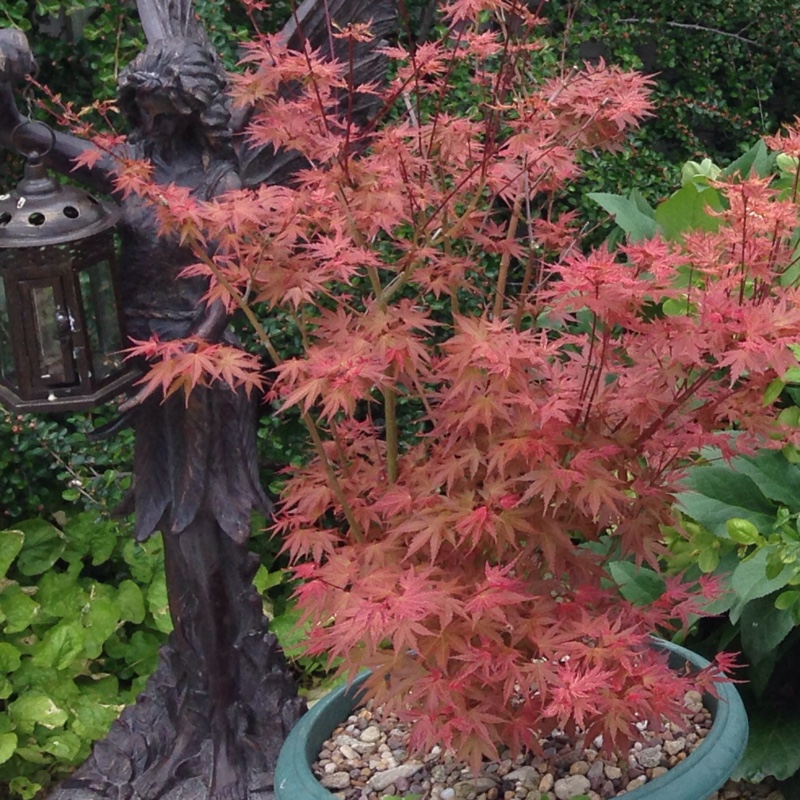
{"x": 695, "y": 778}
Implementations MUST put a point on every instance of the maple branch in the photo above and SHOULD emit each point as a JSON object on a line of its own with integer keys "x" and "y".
{"x": 688, "y": 26}
{"x": 528, "y": 276}
{"x": 241, "y": 302}
{"x": 319, "y": 446}
{"x": 502, "y": 277}
{"x": 358, "y": 238}
{"x": 390, "y": 412}
{"x": 648, "y": 432}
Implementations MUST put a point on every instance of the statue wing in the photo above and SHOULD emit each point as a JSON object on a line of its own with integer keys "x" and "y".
{"x": 164, "y": 19}
{"x": 310, "y": 25}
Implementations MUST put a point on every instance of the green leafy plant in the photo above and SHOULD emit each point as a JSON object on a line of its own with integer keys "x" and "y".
{"x": 83, "y": 610}
{"x": 742, "y": 525}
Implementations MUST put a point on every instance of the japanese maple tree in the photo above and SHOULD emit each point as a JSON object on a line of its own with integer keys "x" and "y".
{"x": 496, "y": 412}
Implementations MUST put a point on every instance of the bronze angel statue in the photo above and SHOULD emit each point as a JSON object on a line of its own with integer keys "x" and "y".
{"x": 216, "y": 711}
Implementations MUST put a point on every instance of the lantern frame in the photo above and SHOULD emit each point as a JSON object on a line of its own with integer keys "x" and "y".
{"x": 61, "y": 312}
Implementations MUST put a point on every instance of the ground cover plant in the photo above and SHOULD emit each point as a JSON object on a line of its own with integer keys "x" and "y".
{"x": 555, "y": 397}
{"x": 83, "y": 609}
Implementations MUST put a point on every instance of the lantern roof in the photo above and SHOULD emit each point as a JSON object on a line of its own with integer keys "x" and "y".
{"x": 41, "y": 212}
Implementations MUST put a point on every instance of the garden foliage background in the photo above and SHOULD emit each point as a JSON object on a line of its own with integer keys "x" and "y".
{"x": 725, "y": 74}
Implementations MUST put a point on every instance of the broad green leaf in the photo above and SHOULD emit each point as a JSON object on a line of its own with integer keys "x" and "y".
{"x": 638, "y": 585}
{"x": 718, "y": 494}
{"x": 100, "y": 620}
{"x": 787, "y": 163}
{"x": 6, "y": 689}
{"x": 145, "y": 559}
{"x": 141, "y": 653}
{"x": 131, "y": 602}
{"x": 264, "y": 580}
{"x": 785, "y": 600}
{"x": 36, "y": 708}
{"x": 9, "y": 657}
{"x": 101, "y": 689}
{"x": 708, "y": 560}
{"x": 714, "y": 514}
{"x": 290, "y": 635}
{"x": 692, "y": 170}
{"x": 773, "y": 748}
{"x": 86, "y": 534}
{"x": 742, "y": 531}
{"x": 10, "y": 545}
{"x": 677, "y": 306}
{"x": 627, "y": 214}
{"x": 65, "y": 746}
{"x": 61, "y": 645}
{"x": 33, "y": 754}
{"x": 687, "y": 210}
{"x": 777, "y": 479}
{"x": 773, "y": 391}
{"x": 60, "y": 596}
{"x": 18, "y": 608}
{"x": 92, "y": 720}
{"x": 749, "y": 581}
{"x": 8, "y": 744}
{"x": 157, "y": 603}
{"x": 756, "y": 159}
{"x": 25, "y": 788}
{"x": 44, "y": 543}
{"x": 763, "y": 627}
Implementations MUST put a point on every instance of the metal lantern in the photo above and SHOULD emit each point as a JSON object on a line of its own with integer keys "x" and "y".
{"x": 60, "y": 334}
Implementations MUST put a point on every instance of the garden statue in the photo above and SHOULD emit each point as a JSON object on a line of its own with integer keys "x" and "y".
{"x": 215, "y": 713}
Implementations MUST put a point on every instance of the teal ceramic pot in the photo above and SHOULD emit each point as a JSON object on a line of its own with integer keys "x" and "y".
{"x": 696, "y": 778}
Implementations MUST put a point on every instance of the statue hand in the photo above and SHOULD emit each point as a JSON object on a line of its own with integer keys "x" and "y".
{"x": 16, "y": 58}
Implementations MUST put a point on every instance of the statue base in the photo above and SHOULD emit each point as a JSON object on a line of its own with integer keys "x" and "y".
{"x": 162, "y": 746}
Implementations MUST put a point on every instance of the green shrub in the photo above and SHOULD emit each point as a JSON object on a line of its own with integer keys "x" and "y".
{"x": 724, "y": 73}
{"x": 47, "y": 460}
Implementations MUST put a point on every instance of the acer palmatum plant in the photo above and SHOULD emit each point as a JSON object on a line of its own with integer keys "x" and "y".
{"x": 486, "y": 400}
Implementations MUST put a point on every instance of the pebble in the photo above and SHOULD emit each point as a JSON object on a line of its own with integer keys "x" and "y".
{"x": 547, "y": 782}
{"x": 567, "y": 788}
{"x": 337, "y": 780}
{"x": 371, "y": 735}
{"x": 693, "y": 701}
{"x": 524, "y": 775}
{"x": 649, "y": 757}
{"x": 380, "y": 780}
{"x": 635, "y": 783}
{"x": 675, "y": 746}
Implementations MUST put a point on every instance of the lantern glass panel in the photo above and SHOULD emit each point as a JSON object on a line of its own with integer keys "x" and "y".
{"x": 102, "y": 322}
{"x": 7, "y": 370}
{"x": 48, "y": 317}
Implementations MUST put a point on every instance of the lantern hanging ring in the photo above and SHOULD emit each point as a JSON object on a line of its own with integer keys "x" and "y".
{"x": 32, "y": 155}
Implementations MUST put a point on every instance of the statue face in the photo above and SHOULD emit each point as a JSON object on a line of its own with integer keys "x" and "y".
{"x": 159, "y": 120}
